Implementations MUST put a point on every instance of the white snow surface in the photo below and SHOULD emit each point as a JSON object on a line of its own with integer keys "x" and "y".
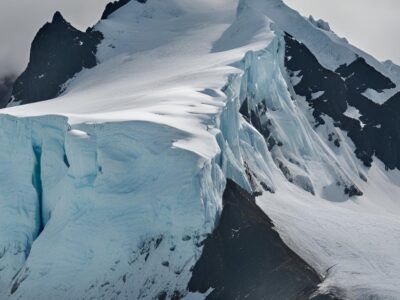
{"x": 357, "y": 253}
{"x": 392, "y": 68}
{"x": 380, "y": 97}
{"x": 125, "y": 171}
{"x": 353, "y": 113}
{"x": 108, "y": 189}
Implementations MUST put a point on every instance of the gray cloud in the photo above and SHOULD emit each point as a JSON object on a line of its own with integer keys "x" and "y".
{"x": 371, "y": 25}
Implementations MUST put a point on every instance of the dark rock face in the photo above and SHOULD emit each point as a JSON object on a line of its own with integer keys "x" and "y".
{"x": 253, "y": 116}
{"x": 6, "y": 85}
{"x": 114, "y": 6}
{"x": 58, "y": 52}
{"x": 245, "y": 258}
{"x": 361, "y": 76}
{"x": 380, "y": 133}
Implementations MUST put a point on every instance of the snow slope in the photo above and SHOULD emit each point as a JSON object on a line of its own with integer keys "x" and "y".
{"x": 354, "y": 243}
{"x": 133, "y": 186}
{"x": 112, "y": 186}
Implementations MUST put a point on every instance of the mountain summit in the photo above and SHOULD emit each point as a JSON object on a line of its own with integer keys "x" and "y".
{"x": 58, "y": 52}
{"x": 200, "y": 149}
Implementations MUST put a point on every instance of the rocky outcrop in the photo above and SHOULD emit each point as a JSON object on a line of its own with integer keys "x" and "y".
{"x": 245, "y": 258}
{"x": 114, "y": 6}
{"x": 6, "y": 84}
{"x": 58, "y": 52}
{"x": 331, "y": 93}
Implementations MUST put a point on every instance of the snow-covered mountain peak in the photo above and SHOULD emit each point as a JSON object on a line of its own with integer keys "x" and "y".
{"x": 177, "y": 121}
{"x": 179, "y": 63}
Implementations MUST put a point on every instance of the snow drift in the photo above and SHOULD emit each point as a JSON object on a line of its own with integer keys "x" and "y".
{"x": 109, "y": 190}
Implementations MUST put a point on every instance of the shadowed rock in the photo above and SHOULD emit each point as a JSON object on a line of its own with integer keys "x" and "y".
{"x": 6, "y": 85}
{"x": 115, "y": 5}
{"x": 379, "y": 134}
{"x": 58, "y": 52}
{"x": 245, "y": 258}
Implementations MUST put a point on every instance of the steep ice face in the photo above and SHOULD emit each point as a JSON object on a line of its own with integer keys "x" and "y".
{"x": 113, "y": 197}
{"x": 114, "y": 200}
{"x": 137, "y": 196}
{"x": 330, "y": 50}
{"x": 19, "y": 203}
{"x": 341, "y": 231}
{"x": 108, "y": 200}
{"x": 348, "y": 86}
{"x": 296, "y": 147}
{"x": 30, "y": 166}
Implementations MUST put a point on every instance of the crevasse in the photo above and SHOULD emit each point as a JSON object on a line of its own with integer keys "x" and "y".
{"x": 119, "y": 202}
{"x": 296, "y": 145}
{"x": 102, "y": 193}
{"x": 107, "y": 196}
{"x": 28, "y": 160}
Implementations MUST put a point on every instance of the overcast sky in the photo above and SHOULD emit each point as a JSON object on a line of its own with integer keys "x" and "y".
{"x": 372, "y": 25}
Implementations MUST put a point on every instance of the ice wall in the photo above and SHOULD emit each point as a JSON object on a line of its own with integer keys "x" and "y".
{"x": 116, "y": 210}
{"x": 267, "y": 101}
{"x": 30, "y": 163}
{"x": 101, "y": 209}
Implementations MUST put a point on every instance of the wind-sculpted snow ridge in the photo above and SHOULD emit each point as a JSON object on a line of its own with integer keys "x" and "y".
{"x": 295, "y": 146}
{"x": 110, "y": 190}
{"x": 320, "y": 160}
{"x": 330, "y": 50}
{"x": 118, "y": 191}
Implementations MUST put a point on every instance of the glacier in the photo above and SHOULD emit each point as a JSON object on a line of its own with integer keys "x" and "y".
{"x": 92, "y": 188}
{"x": 109, "y": 190}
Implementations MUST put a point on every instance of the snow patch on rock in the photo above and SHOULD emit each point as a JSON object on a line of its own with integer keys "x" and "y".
{"x": 381, "y": 96}
{"x": 354, "y": 113}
